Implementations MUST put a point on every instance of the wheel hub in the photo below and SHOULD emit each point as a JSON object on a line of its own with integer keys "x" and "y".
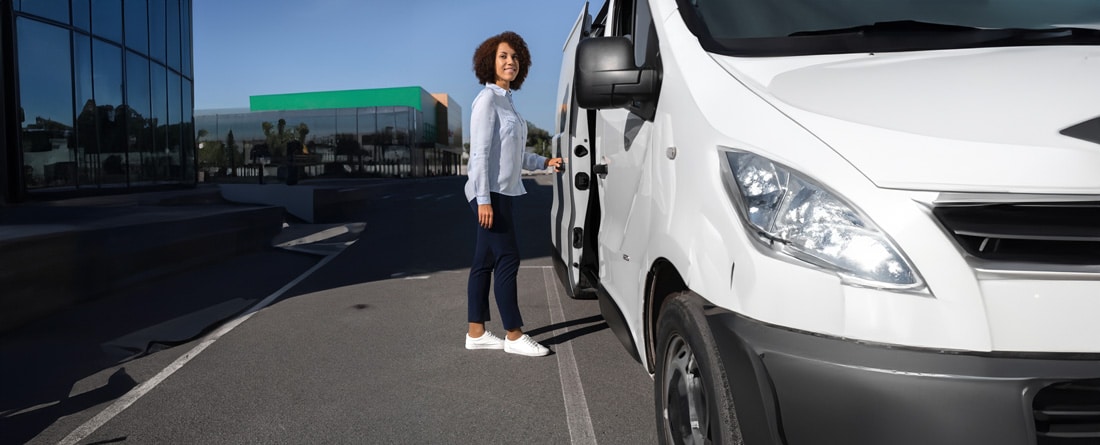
{"x": 685, "y": 395}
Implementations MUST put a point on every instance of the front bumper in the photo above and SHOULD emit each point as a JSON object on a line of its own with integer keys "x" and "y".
{"x": 798, "y": 388}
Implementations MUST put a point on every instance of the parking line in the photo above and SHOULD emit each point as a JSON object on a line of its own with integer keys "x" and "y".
{"x": 576, "y": 406}
{"x": 89, "y": 427}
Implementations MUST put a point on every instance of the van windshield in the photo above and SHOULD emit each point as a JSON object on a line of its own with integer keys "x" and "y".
{"x": 801, "y": 27}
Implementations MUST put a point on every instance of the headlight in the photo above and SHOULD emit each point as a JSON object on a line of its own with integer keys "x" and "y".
{"x": 799, "y": 218}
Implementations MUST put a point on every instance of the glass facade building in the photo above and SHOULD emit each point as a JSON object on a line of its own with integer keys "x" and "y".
{"x": 374, "y": 132}
{"x": 97, "y": 96}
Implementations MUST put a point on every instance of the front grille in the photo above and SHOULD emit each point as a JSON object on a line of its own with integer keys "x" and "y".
{"x": 1046, "y": 233}
{"x": 1068, "y": 413}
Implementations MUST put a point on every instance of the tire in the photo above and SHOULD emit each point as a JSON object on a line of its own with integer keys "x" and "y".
{"x": 691, "y": 394}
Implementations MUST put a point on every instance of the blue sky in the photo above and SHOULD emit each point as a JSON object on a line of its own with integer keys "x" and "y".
{"x": 251, "y": 47}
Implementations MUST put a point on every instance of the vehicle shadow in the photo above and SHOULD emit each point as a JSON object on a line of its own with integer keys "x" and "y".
{"x": 571, "y": 334}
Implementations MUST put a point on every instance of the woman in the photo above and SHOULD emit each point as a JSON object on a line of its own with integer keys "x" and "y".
{"x": 498, "y": 135}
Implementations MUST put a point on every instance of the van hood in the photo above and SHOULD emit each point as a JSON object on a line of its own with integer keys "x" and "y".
{"x": 1019, "y": 120}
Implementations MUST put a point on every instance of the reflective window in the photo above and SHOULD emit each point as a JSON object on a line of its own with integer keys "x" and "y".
{"x": 346, "y": 121}
{"x": 213, "y": 154}
{"x": 346, "y": 125}
{"x": 46, "y": 114}
{"x": 386, "y": 140}
{"x": 157, "y": 163}
{"x": 347, "y": 149}
{"x": 369, "y": 139}
{"x": 244, "y": 126}
{"x": 107, "y": 74}
{"x": 137, "y": 25}
{"x": 51, "y": 9}
{"x": 207, "y": 127}
{"x": 387, "y": 126}
{"x": 138, "y": 125}
{"x": 188, "y": 132}
{"x": 173, "y": 29}
{"x": 137, "y": 88}
{"x": 454, "y": 124}
{"x": 107, "y": 19}
{"x": 110, "y": 115}
{"x": 175, "y": 121}
{"x": 321, "y": 123}
{"x": 402, "y": 126}
{"x": 82, "y": 15}
{"x": 185, "y": 36}
{"x": 157, "y": 44}
{"x": 93, "y": 113}
{"x": 87, "y": 136}
{"x": 367, "y": 120}
{"x": 402, "y": 138}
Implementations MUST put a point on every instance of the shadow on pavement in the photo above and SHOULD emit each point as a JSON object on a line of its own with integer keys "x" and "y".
{"x": 22, "y": 426}
{"x": 50, "y": 366}
{"x": 428, "y": 227}
{"x": 572, "y": 333}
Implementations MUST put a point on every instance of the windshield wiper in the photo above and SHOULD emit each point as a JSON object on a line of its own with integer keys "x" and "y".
{"x": 900, "y": 26}
{"x": 910, "y": 32}
{"x": 1048, "y": 36}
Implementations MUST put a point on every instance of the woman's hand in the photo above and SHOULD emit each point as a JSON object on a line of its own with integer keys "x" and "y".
{"x": 485, "y": 215}
{"x": 554, "y": 162}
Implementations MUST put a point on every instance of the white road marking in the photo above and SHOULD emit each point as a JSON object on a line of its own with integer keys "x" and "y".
{"x": 429, "y": 195}
{"x": 89, "y": 427}
{"x": 576, "y": 406}
{"x": 16, "y": 412}
{"x": 444, "y": 197}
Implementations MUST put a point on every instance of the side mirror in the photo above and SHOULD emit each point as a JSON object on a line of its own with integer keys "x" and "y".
{"x": 606, "y": 77}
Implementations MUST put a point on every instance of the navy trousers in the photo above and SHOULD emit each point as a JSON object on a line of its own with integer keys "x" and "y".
{"x": 496, "y": 255}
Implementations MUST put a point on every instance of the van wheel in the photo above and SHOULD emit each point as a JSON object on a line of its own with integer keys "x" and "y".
{"x": 693, "y": 400}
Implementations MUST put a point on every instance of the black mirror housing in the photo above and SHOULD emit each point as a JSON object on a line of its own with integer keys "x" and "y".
{"x": 606, "y": 77}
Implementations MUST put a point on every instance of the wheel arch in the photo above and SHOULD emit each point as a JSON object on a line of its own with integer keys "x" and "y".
{"x": 662, "y": 282}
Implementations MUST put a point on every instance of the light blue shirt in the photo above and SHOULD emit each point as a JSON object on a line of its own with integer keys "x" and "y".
{"x": 498, "y": 136}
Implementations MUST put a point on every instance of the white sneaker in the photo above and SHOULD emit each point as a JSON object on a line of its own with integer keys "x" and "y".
{"x": 525, "y": 345}
{"x": 486, "y": 341}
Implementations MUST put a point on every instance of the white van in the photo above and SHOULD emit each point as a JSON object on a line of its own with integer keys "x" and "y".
{"x": 842, "y": 222}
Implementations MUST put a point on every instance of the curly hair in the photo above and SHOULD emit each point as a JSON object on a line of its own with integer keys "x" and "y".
{"x": 485, "y": 58}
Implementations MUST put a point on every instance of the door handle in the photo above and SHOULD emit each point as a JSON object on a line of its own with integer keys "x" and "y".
{"x": 600, "y": 169}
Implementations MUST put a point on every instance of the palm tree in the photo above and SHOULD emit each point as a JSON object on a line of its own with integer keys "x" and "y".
{"x": 303, "y": 130}
{"x": 231, "y": 145}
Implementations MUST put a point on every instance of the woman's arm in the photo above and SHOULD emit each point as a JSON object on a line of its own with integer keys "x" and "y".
{"x": 533, "y": 162}
{"x": 482, "y": 118}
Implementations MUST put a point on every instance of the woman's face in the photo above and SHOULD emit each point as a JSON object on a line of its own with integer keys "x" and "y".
{"x": 507, "y": 64}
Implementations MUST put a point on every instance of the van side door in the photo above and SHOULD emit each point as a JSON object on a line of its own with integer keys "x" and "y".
{"x": 569, "y": 210}
{"x": 623, "y": 148}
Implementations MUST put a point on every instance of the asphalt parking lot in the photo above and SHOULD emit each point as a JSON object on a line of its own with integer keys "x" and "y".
{"x": 360, "y": 346}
